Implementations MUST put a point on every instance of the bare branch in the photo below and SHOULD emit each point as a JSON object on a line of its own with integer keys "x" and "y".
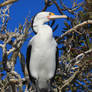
{"x": 78, "y": 59}
{"x": 59, "y": 9}
{"x": 67, "y": 82}
{"x": 7, "y": 2}
{"x": 46, "y": 5}
{"x": 74, "y": 28}
{"x": 82, "y": 55}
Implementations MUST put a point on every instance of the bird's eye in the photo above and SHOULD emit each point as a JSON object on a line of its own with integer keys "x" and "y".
{"x": 51, "y": 13}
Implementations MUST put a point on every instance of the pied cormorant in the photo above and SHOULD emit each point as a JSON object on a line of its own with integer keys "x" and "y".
{"x": 42, "y": 52}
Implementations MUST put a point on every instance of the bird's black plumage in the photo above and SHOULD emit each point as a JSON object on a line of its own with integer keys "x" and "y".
{"x": 57, "y": 59}
{"x": 32, "y": 22}
{"x": 28, "y": 54}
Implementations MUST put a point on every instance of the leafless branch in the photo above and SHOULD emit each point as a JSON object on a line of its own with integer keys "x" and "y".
{"x": 7, "y": 2}
{"x": 67, "y": 82}
{"x": 59, "y": 9}
{"x": 74, "y": 28}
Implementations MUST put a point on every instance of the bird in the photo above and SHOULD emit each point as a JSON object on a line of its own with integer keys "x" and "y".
{"x": 42, "y": 53}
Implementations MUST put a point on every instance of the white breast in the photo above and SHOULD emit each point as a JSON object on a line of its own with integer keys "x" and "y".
{"x": 43, "y": 55}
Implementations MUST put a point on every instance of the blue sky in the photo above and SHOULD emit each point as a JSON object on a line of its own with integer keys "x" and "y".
{"x": 21, "y": 9}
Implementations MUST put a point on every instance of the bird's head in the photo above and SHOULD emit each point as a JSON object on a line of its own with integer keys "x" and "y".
{"x": 44, "y": 17}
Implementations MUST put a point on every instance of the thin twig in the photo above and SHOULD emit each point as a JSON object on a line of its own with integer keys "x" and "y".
{"x": 7, "y": 2}
{"x": 59, "y": 9}
{"x": 67, "y": 82}
{"x": 74, "y": 28}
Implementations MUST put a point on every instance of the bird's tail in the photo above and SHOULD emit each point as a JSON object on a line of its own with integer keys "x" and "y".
{"x": 44, "y": 90}
{"x": 43, "y": 85}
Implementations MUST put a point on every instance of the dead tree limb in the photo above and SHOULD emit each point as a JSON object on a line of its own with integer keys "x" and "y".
{"x": 7, "y": 2}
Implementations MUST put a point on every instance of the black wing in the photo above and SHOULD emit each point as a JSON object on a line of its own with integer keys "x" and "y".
{"x": 57, "y": 58}
{"x": 28, "y": 54}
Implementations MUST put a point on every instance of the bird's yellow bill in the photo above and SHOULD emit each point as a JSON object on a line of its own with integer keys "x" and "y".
{"x": 56, "y": 16}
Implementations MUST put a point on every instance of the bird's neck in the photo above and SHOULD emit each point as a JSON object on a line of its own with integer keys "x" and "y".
{"x": 42, "y": 28}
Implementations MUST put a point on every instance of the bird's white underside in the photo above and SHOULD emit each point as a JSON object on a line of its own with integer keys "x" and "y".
{"x": 42, "y": 61}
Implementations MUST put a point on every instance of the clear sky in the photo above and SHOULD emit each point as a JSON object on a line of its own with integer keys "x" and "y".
{"x": 21, "y": 9}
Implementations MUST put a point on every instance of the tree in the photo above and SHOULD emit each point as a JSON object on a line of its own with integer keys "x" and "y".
{"x": 75, "y": 48}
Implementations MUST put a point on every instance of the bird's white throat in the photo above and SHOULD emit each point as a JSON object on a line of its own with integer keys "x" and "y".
{"x": 42, "y": 28}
